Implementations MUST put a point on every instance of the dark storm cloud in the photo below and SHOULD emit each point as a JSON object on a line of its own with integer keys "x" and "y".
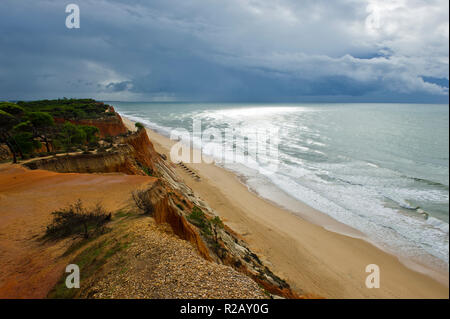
{"x": 250, "y": 50}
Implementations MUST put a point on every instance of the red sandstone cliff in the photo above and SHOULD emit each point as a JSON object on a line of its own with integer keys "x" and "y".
{"x": 109, "y": 125}
{"x": 172, "y": 200}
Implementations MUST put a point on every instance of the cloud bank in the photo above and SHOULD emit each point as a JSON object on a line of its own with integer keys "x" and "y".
{"x": 234, "y": 50}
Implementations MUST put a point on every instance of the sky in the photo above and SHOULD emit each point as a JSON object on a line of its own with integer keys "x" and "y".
{"x": 227, "y": 50}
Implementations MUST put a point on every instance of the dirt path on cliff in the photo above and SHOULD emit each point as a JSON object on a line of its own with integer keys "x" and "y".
{"x": 29, "y": 268}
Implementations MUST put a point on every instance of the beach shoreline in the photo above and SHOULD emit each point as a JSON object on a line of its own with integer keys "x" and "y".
{"x": 312, "y": 251}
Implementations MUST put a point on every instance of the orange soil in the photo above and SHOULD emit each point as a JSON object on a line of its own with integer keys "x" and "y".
{"x": 30, "y": 267}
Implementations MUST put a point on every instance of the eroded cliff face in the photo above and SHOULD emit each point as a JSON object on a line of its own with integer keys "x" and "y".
{"x": 111, "y": 125}
{"x": 142, "y": 150}
{"x": 132, "y": 154}
{"x": 86, "y": 163}
{"x": 173, "y": 203}
{"x": 162, "y": 197}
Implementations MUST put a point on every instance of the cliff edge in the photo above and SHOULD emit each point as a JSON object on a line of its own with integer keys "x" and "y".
{"x": 189, "y": 217}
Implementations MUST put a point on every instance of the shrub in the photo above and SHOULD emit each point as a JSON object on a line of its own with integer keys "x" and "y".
{"x": 11, "y": 108}
{"x": 71, "y": 135}
{"x": 139, "y": 126}
{"x": 143, "y": 202}
{"x": 77, "y": 220}
{"x": 91, "y": 133}
{"x": 67, "y": 108}
{"x": 25, "y": 143}
{"x": 198, "y": 218}
{"x": 148, "y": 171}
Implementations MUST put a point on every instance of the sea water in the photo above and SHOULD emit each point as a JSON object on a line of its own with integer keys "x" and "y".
{"x": 382, "y": 169}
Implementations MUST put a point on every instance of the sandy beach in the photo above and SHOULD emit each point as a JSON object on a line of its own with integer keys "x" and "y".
{"x": 303, "y": 250}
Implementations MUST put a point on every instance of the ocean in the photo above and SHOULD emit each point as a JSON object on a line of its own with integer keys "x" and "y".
{"x": 382, "y": 169}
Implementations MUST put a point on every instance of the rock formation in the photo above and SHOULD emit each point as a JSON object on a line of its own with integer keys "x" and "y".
{"x": 172, "y": 199}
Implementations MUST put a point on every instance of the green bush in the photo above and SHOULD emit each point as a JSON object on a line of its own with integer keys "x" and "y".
{"x": 198, "y": 218}
{"x": 147, "y": 171}
{"x": 11, "y": 108}
{"x": 69, "y": 109}
{"x": 25, "y": 143}
{"x": 72, "y": 135}
{"x": 91, "y": 133}
{"x": 23, "y": 125}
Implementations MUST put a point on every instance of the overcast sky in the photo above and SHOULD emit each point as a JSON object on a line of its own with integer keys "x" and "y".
{"x": 227, "y": 50}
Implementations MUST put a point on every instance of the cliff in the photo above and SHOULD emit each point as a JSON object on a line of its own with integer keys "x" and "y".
{"x": 85, "y": 163}
{"x": 108, "y": 125}
{"x": 174, "y": 204}
{"x": 133, "y": 154}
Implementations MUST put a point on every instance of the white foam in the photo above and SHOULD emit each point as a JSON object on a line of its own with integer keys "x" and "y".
{"x": 356, "y": 198}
